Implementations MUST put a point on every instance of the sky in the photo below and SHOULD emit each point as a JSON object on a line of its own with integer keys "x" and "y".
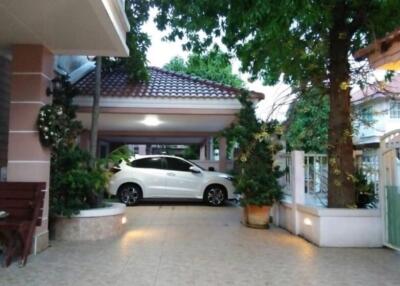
{"x": 161, "y": 52}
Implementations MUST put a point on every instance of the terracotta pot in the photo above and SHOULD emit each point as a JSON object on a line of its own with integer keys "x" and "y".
{"x": 257, "y": 216}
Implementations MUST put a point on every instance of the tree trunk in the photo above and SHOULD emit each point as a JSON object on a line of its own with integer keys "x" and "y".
{"x": 95, "y": 111}
{"x": 341, "y": 191}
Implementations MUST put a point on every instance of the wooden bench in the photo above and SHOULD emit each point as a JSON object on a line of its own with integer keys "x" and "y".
{"x": 24, "y": 203}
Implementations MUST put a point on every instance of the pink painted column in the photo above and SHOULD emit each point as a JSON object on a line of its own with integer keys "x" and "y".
{"x": 222, "y": 154}
{"x": 28, "y": 161}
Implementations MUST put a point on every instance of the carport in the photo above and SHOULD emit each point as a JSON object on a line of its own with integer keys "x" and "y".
{"x": 172, "y": 108}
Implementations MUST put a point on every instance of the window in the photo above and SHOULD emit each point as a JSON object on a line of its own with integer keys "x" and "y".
{"x": 367, "y": 115}
{"x": 153, "y": 163}
{"x": 178, "y": 165}
{"x": 394, "y": 109}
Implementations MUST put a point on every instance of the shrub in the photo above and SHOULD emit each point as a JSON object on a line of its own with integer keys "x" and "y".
{"x": 255, "y": 176}
{"x": 365, "y": 191}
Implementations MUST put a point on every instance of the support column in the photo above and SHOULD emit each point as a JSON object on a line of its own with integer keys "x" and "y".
{"x": 211, "y": 149}
{"x": 142, "y": 149}
{"x": 28, "y": 161}
{"x": 84, "y": 140}
{"x": 222, "y": 154}
{"x": 203, "y": 152}
{"x": 297, "y": 184}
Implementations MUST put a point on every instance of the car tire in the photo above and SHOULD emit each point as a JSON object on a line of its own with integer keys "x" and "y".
{"x": 215, "y": 195}
{"x": 129, "y": 194}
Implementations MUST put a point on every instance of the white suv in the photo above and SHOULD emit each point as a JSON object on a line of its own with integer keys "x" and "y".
{"x": 160, "y": 176}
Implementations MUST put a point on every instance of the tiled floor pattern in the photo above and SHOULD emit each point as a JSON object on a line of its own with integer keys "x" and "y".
{"x": 193, "y": 244}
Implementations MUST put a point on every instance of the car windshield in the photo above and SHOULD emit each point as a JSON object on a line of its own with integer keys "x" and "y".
{"x": 201, "y": 168}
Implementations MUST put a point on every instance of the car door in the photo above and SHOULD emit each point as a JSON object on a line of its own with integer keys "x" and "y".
{"x": 181, "y": 182}
{"x": 150, "y": 173}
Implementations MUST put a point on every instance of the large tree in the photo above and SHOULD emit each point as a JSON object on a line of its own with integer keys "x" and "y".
{"x": 212, "y": 65}
{"x": 309, "y": 42}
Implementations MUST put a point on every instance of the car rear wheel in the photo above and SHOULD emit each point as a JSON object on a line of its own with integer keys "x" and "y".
{"x": 215, "y": 195}
{"x": 129, "y": 194}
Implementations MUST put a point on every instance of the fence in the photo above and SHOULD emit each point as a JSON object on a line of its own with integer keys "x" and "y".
{"x": 303, "y": 210}
{"x": 316, "y": 179}
{"x": 315, "y": 176}
{"x": 283, "y": 160}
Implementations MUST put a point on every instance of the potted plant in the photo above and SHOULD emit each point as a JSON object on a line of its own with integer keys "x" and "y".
{"x": 256, "y": 176}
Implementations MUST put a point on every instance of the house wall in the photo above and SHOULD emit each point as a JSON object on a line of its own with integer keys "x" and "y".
{"x": 381, "y": 122}
{"x": 4, "y": 111}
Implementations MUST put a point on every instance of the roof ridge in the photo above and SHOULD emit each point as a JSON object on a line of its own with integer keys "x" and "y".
{"x": 259, "y": 95}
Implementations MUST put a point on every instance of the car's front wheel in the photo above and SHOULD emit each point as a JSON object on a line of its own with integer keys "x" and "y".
{"x": 215, "y": 195}
{"x": 129, "y": 194}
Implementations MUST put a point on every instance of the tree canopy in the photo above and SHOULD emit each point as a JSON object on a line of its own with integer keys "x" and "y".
{"x": 308, "y": 42}
{"x": 137, "y": 12}
{"x": 307, "y": 123}
{"x": 213, "y": 65}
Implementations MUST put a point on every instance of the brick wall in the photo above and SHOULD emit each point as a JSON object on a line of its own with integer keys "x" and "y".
{"x": 4, "y": 108}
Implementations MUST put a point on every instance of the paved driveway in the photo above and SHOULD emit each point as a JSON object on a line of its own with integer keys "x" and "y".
{"x": 178, "y": 244}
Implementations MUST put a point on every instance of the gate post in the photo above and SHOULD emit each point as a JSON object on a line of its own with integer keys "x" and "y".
{"x": 297, "y": 184}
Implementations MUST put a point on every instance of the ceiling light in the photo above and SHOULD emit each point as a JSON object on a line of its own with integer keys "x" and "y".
{"x": 151, "y": 120}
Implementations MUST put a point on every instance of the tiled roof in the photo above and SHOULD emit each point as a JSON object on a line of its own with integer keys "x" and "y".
{"x": 377, "y": 90}
{"x": 162, "y": 83}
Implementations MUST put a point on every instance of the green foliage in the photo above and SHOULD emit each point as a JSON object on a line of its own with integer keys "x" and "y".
{"x": 271, "y": 37}
{"x": 307, "y": 128}
{"x": 56, "y": 122}
{"x": 74, "y": 184}
{"x": 365, "y": 191}
{"x": 137, "y": 12}
{"x": 213, "y": 65}
{"x": 115, "y": 157}
{"x": 191, "y": 153}
{"x": 77, "y": 185}
{"x": 176, "y": 64}
{"x": 256, "y": 176}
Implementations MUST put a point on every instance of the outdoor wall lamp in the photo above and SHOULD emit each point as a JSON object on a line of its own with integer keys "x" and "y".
{"x": 307, "y": 221}
{"x": 55, "y": 84}
{"x": 123, "y": 220}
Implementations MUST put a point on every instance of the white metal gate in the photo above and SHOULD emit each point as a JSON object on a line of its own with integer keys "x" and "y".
{"x": 390, "y": 187}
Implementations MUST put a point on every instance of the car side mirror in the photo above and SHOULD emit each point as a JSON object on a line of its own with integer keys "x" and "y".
{"x": 195, "y": 169}
{"x": 212, "y": 169}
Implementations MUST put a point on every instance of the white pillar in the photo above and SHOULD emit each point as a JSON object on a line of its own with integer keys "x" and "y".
{"x": 203, "y": 152}
{"x": 211, "y": 149}
{"x": 142, "y": 149}
{"x": 297, "y": 185}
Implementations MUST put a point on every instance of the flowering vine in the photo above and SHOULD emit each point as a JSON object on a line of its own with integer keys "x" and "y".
{"x": 56, "y": 122}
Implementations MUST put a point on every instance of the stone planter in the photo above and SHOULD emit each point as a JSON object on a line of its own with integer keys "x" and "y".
{"x": 256, "y": 216}
{"x": 93, "y": 224}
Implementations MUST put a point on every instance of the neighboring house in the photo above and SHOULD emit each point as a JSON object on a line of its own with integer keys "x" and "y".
{"x": 377, "y": 111}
